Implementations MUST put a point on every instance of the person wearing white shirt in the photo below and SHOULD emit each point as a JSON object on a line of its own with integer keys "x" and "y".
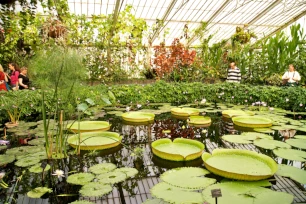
{"x": 291, "y": 76}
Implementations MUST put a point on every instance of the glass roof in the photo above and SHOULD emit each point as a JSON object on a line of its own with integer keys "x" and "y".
{"x": 263, "y": 17}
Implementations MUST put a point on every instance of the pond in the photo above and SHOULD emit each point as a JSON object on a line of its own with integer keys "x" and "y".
{"x": 135, "y": 151}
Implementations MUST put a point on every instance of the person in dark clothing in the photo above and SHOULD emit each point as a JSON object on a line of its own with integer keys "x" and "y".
{"x": 23, "y": 79}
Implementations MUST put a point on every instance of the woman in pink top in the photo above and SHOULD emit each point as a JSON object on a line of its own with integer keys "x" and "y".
{"x": 14, "y": 75}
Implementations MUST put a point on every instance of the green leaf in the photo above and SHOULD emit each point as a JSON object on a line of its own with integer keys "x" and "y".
{"x": 80, "y": 178}
{"x": 188, "y": 177}
{"x": 95, "y": 189}
{"x": 290, "y": 154}
{"x": 102, "y": 168}
{"x": 28, "y": 161}
{"x": 111, "y": 96}
{"x": 38, "y": 192}
{"x": 294, "y": 173}
{"x": 298, "y": 143}
{"x": 37, "y": 168}
{"x": 129, "y": 172}
{"x": 81, "y": 202}
{"x": 303, "y": 137}
{"x": 82, "y": 107}
{"x": 90, "y": 101}
{"x": 270, "y": 144}
{"x": 5, "y": 159}
{"x": 174, "y": 194}
{"x": 155, "y": 201}
{"x": 112, "y": 177}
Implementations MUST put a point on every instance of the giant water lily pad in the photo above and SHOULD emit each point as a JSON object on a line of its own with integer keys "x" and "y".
{"x": 290, "y": 154}
{"x": 184, "y": 111}
{"x": 252, "y": 121}
{"x": 138, "y": 116}
{"x": 6, "y": 159}
{"x": 245, "y": 194}
{"x": 95, "y": 140}
{"x": 38, "y": 169}
{"x": 179, "y": 150}
{"x": 28, "y": 161}
{"x": 233, "y": 113}
{"x": 238, "y": 139}
{"x": 102, "y": 168}
{"x": 187, "y": 177}
{"x": 88, "y": 126}
{"x": 38, "y": 192}
{"x": 112, "y": 177}
{"x": 239, "y": 164}
{"x": 80, "y": 178}
{"x": 257, "y": 135}
{"x": 95, "y": 189}
{"x": 128, "y": 171}
{"x": 174, "y": 194}
{"x": 199, "y": 121}
{"x": 294, "y": 173}
{"x": 298, "y": 143}
{"x": 270, "y": 144}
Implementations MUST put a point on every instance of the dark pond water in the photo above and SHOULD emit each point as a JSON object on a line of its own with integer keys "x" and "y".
{"x": 134, "y": 136}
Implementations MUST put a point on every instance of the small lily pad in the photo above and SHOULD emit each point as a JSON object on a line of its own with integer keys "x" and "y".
{"x": 264, "y": 130}
{"x": 303, "y": 137}
{"x": 290, "y": 154}
{"x": 185, "y": 111}
{"x": 298, "y": 143}
{"x": 28, "y": 161}
{"x": 95, "y": 189}
{"x": 81, "y": 202}
{"x": 5, "y": 159}
{"x": 129, "y": 172}
{"x": 38, "y": 141}
{"x": 38, "y": 169}
{"x": 233, "y": 113}
{"x": 294, "y": 173}
{"x": 270, "y": 144}
{"x": 112, "y": 177}
{"x": 80, "y": 178}
{"x": 238, "y": 139}
{"x": 102, "y": 168}
{"x": 38, "y": 192}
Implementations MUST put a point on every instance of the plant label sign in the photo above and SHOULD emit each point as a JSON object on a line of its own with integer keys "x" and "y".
{"x": 216, "y": 193}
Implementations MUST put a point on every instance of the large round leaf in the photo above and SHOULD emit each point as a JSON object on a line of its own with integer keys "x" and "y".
{"x": 245, "y": 194}
{"x": 238, "y": 139}
{"x": 300, "y": 137}
{"x": 128, "y": 171}
{"x": 102, "y": 168}
{"x": 138, "y": 116}
{"x": 88, "y": 126}
{"x": 264, "y": 130}
{"x": 233, "y": 113}
{"x": 294, "y": 173}
{"x": 80, "y": 178}
{"x": 81, "y": 202}
{"x": 188, "y": 177}
{"x": 174, "y": 194}
{"x": 298, "y": 143}
{"x": 290, "y": 154}
{"x": 179, "y": 150}
{"x": 199, "y": 121}
{"x": 95, "y": 189}
{"x": 38, "y": 169}
{"x": 5, "y": 159}
{"x": 184, "y": 111}
{"x": 95, "y": 140}
{"x": 270, "y": 144}
{"x": 257, "y": 135}
{"x": 252, "y": 121}
{"x": 28, "y": 161}
{"x": 239, "y": 164}
{"x": 38, "y": 192}
{"x": 112, "y": 177}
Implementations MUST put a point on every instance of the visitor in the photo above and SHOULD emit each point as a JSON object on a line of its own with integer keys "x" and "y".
{"x": 3, "y": 79}
{"x": 291, "y": 77}
{"x": 15, "y": 71}
{"x": 233, "y": 74}
{"x": 23, "y": 79}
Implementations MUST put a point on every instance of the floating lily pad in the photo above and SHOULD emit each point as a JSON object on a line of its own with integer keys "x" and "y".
{"x": 290, "y": 154}
{"x": 38, "y": 141}
{"x": 244, "y": 194}
{"x": 81, "y": 202}
{"x": 95, "y": 189}
{"x": 303, "y": 129}
{"x": 257, "y": 135}
{"x": 138, "y": 116}
{"x": 174, "y": 194}
{"x": 264, "y": 130}
{"x": 261, "y": 183}
{"x": 155, "y": 201}
{"x": 290, "y": 127}
{"x": 28, "y": 161}
{"x": 112, "y": 177}
{"x": 238, "y": 139}
{"x": 38, "y": 192}
{"x": 129, "y": 172}
{"x": 187, "y": 177}
{"x": 298, "y": 143}
{"x": 179, "y": 150}
{"x": 294, "y": 173}
{"x": 185, "y": 111}
{"x": 80, "y": 178}
{"x": 233, "y": 113}
{"x": 114, "y": 112}
{"x": 89, "y": 126}
{"x": 37, "y": 168}
{"x": 24, "y": 150}
{"x": 2, "y": 147}
{"x": 199, "y": 121}
{"x": 228, "y": 163}
{"x": 6, "y": 159}
{"x": 270, "y": 144}
{"x": 102, "y": 168}
{"x": 303, "y": 137}
{"x": 277, "y": 127}
{"x": 252, "y": 121}
{"x": 95, "y": 140}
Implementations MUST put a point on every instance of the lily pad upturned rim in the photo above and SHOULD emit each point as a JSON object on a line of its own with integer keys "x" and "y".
{"x": 197, "y": 120}
{"x": 101, "y": 126}
{"x": 87, "y": 136}
{"x": 257, "y": 122}
{"x": 177, "y": 157}
{"x": 185, "y": 111}
{"x": 239, "y": 176}
{"x": 233, "y": 113}
{"x": 138, "y": 116}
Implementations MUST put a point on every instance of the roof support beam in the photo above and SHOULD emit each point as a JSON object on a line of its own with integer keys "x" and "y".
{"x": 194, "y": 37}
{"x": 269, "y": 8}
{"x": 164, "y": 18}
{"x": 303, "y": 13}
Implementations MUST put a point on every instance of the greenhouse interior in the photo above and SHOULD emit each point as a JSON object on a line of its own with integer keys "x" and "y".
{"x": 118, "y": 101}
